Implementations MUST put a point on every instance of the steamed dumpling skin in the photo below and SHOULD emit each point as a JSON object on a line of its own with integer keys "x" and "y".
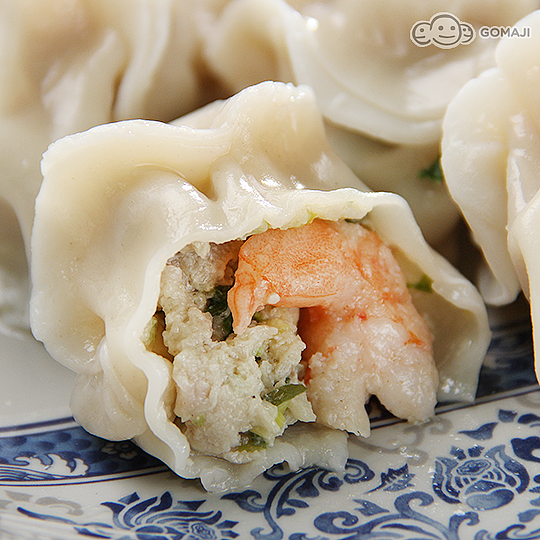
{"x": 14, "y": 291}
{"x": 358, "y": 57}
{"x": 490, "y": 156}
{"x": 402, "y": 169}
{"x": 68, "y": 65}
{"x": 491, "y": 160}
{"x": 383, "y": 97}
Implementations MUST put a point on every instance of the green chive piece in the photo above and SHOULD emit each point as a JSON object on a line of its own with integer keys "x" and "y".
{"x": 284, "y": 393}
{"x": 434, "y": 172}
{"x": 423, "y": 284}
{"x": 222, "y": 323}
{"x": 251, "y": 442}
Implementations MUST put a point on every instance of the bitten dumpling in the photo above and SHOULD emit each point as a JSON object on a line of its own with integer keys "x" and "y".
{"x": 211, "y": 280}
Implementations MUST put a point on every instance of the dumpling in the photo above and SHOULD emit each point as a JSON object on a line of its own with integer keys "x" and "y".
{"x": 491, "y": 159}
{"x": 68, "y": 65}
{"x": 490, "y": 155}
{"x": 146, "y": 235}
{"x": 14, "y": 291}
{"x": 383, "y": 97}
{"x": 412, "y": 171}
{"x": 366, "y": 72}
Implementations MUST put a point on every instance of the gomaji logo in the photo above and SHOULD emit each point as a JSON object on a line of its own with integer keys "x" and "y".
{"x": 446, "y": 31}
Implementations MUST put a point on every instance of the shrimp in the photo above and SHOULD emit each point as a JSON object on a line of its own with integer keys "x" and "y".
{"x": 362, "y": 333}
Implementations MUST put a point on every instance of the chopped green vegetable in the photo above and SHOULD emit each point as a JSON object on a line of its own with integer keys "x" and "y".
{"x": 150, "y": 332}
{"x": 280, "y": 324}
{"x": 200, "y": 420}
{"x": 251, "y": 442}
{"x": 152, "y": 336}
{"x": 217, "y": 303}
{"x": 284, "y": 393}
{"x": 281, "y": 397}
{"x": 423, "y": 284}
{"x": 222, "y": 323}
{"x": 352, "y": 220}
{"x": 434, "y": 172}
{"x": 258, "y": 317}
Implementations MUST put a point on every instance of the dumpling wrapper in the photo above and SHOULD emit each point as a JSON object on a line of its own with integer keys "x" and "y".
{"x": 491, "y": 155}
{"x": 405, "y": 170}
{"x": 491, "y": 160}
{"x": 68, "y": 65}
{"x": 14, "y": 289}
{"x": 119, "y": 200}
{"x": 383, "y": 97}
{"x": 367, "y": 73}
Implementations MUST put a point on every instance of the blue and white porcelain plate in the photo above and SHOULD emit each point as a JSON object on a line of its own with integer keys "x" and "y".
{"x": 471, "y": 473}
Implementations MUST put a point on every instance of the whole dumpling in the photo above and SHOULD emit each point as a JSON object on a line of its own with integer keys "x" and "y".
{"x": 491, "y": 157}
{"x": 383, "y": 97}
{"x": 490, "y": 153}
{"x": 366, "y": 72}
{"x": 138, "y": 226}
{"x": 68, "y": 65}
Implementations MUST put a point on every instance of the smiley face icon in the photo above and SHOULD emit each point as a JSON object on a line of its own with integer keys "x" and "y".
{"x": 421, "y": 33}
{"x": 468, "y": 33}
{"x": 446, "y": 30}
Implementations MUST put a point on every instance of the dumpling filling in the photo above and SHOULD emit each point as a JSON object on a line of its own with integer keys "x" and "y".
{"x": 302, "y": 324}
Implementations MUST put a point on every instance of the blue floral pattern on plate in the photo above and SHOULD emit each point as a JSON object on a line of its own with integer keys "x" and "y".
{"x": 471, "y": 473}
{"x": 64, "y": 451}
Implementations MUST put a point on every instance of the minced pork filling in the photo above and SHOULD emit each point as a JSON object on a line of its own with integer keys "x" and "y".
{"x": 234, "y": 394}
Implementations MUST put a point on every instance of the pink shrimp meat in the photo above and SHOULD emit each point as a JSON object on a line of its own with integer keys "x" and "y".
{"x": 363, "y": 334}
